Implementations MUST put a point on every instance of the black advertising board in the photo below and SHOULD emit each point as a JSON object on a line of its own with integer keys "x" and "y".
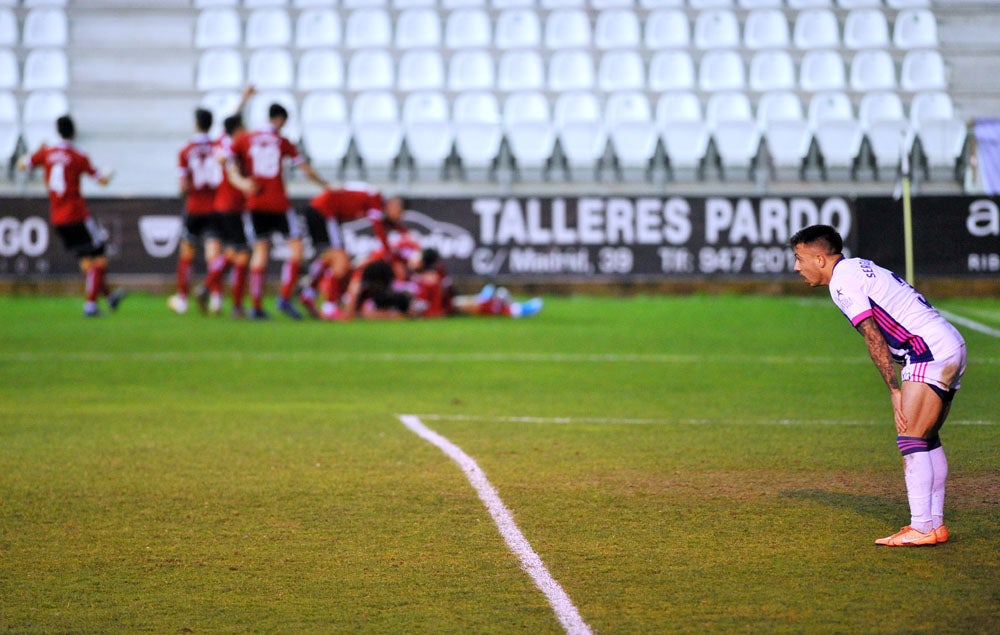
{"x": 566, "y": 238}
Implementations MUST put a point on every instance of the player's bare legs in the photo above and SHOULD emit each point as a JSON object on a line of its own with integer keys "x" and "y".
{"x": 185, "y": 258}
{"x": 258, "y": 263}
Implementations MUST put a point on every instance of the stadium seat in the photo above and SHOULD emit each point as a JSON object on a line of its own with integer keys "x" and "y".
{"x": 220, "y": 69}
{"x": 667, "y": 29}
{"x": 371, "y": 69}
{"x": 821, "y": 71}
{"x": 785, "y": 131}
{"x": 528, "y": 128}
{"x": 471, "y": 70}
{"x": 399, "y": 5}
{"x": 378, "y": 130}
{"x": 872, "y": 69}
{"x": 617, "y": 28}
{"x": 318, "y": 28}
{"x": 351, "y": 5}
{"x": 10, "y": 33}
{"x": 930, "y": 105}
{"x": 683, "y": 130}
{"x": 859, "y": 4}
{"x": 829, "y": 105}
{"x": 886, "y": 127}
{"x": 799, "y": 5}
{"x": 420, "y": 69}
{"x": 257, "y": 108}
{"x": 923, "y": 69}
{"x": 671, "y": 70}
{"x": 368, "y": 27}
{"x": 579, "y": 123}
{"x": 418, "y": 28}
{"x": 268, "y": 27}
{"x": 427, "y": 128}
{"x": 468, "y": 28}
{"x": 500, "y": 5}
{"x": 45, "y": 27}
{"x": 621, "y": 70}
{"x": 816, "y": 29}
{"x": 906, "y": 4}
{"x": 451, "y": 5}
{"x": 601, "y": 5}
{"x": 772, "y": 70}
{"x": 254, "y": 4}
{"x": 567, "y": 29}
{"x": 700, "y": 5}
{"x": 45, "y": 69}
{"x": 518, "y": 28}
{"x": 631, "y": 128}
{"x": 880, "y": 106}
{"x": 553, "y": 5}
{"x": 218, "y": 27}
{"x": 839, "y": 142}
{"x": 203, "y": 4}
{"x": 766, "y": 29}
{"x": 10, "y": 75}
{"x": 760, "y": 4}
{"x": 320, "y": 69}
{"x": 10, "y": 127}
{"x": 721, "y": 70}
{"x": 716, "y": 28}
{"x": 727, "y": 106}
{"x": 570, "y": 71}
{"x": 520, "y": 70}
{"x": 41, "y": 109}
{"x": 326, "y": 128}
{"x": 866, "y": 28}
{"x": 271, "y": 68}
{"x": 942, "y": 142}
{"x": 653, "y": 5}
{"x": 915, "y": 28}
{"x": 478, "y": 131}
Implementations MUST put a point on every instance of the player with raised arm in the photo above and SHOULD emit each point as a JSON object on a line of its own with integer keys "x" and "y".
{"x": 261, "y": 155}
{"x": 199, "y": 174}
{"x": 899, "y": 328}
{"x": 80, "y": 233}
{"x": 331, "y": 268}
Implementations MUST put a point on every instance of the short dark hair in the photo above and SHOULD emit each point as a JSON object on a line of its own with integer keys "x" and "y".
{"x": 232, "y": 123}
{"x": 203, "y": 119}
{"x": 65, "y": 127}
{"x": 430, "y": 257}
{"x": 277, "y": 110}
{"x": 824, "y": 235}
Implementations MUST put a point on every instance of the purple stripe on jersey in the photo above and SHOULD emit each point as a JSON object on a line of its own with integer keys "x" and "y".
{"x": 909, "y": 445}
{"x": 899, "y": 338}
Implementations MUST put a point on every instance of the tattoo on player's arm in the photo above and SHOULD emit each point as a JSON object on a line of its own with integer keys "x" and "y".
{"x": 879, "y": 352}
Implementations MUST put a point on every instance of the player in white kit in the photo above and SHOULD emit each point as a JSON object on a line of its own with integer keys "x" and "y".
{"x": 899, "y": 326}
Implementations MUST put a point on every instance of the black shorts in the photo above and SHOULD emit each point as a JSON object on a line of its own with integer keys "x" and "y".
{"x": 233, "y": 231}
{"x": 83, "y": 240}
{"x": 324, "y": 232}
{"x": 266, "y": 224}
{"x": 201, "y": 227}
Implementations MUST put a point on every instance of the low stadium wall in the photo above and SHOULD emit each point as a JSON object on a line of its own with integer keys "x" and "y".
{"x": 573, "y": 242}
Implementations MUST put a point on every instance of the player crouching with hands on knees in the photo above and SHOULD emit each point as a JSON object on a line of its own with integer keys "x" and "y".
{"x": 899, "y": 327}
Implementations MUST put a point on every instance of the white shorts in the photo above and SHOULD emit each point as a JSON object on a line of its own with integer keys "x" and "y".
{"x": 944, "y": 373}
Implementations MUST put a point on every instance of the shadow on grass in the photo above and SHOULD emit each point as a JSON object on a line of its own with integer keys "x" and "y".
{"x": 881, "y": 507}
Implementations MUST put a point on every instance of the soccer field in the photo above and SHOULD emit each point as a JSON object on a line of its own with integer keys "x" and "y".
{"x": 676, "y": 464}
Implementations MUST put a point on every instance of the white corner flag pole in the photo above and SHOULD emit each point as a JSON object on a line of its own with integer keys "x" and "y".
{"x": 907, "y": 215}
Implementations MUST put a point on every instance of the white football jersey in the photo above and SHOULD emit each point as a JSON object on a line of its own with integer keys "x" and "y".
{"x": 913, "y": 329}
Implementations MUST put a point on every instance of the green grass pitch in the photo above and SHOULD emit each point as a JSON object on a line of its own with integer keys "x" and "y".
{"x": 695, "y": 464}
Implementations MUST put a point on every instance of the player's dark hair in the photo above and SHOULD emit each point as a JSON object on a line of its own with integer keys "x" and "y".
{"x": 65, "y": 127}
{"x": 823, "y": 235}
{"x": 203, "y": 119}
{"x": 277, "y": 110}
{"x": 430, "y": 257}
{"x": 232, "y": 123}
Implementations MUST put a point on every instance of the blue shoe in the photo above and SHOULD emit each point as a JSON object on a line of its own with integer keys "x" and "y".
{"x": 91, "y": 311}
{"x": 526, "y": 308}
{"x": 285, "y": 306}
{"x": 115, "y": 298}
{"x": 259, "y": 314}
{"x": 486, "y": 293}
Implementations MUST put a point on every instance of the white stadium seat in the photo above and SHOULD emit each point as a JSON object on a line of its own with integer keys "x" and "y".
{"x": 766, "y": 29}
{"x": 10, "y": 74}
{"x": 468, "y": 28}
{"x": 785, "y": 131}
{"x": 821, "y": 71}
{"x": 772, "y": 70}
{"x": 631, "y": 128}
{"x": 671, "y": 70}
{"x": 716, "y": 28}
{"x": 369, "y": 27}
{"x": 578, "y": 119}
{"x": 371, "y": 69}
{"x": 529, "y": 129}
{"x": 816, "y": 29}
{"x": 45, "y": 27}
{"x": 923, "y": 69}
{"x": 915, "y": 28}
{"x": 268, "y": 27}
{"x": 10, "y": 33}
{"x": 829, "y": 105}
{"x": 682, "y": 128}
{"x": 41, "y": 109}
{"x": 518, "y": 28}
{"x": 378, "y": 131}
{"x": 218, "y": 27}
{"x": 318, "y": 28}
{"x": 567, "y": 28}
{"x": 471, "y": 70}
{"x": 418, "y": 28}
{"x": 617, "y": 28}
{"x": 866, "y": 28}
{"x": 326, "y": 128}
{"x": 667, "y": 29}
{"x": 420, "y": 69}
{"x": 320, "y": 69}
{"x": 570, "y": 71}
{"x": 873, "y": 69}
{"x": 884, "y": 121}
{"x": 721, "y": 70}
{"x": 478, "y": 129}
{"x": 427, "y": 128}
{"x": 45, "y": 69}
{"x": 930, "y": 105}
{"x": 220, "y": 69}
{"x": 271, "y": 68}
{"x": 10, "y": 126}
{"x": 520, "y": 70}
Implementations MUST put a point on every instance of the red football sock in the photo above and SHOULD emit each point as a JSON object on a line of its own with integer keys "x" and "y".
{"x": 239, "y": 285}
{"x": 183, "y": 276}
{"x": 216, "y": 270}
{"x": 257, "y": 288}
{"x": 289, "y": 275}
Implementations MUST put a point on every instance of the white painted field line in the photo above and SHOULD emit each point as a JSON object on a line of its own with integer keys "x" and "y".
{"x": 564, "y": 609}
{"x": 969, "y": 323}
{"x": 623, "y": 421}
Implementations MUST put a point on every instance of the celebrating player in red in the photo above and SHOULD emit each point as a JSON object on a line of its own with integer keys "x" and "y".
{"x": 260, "y": 155}
{"x": 80, "y": 233}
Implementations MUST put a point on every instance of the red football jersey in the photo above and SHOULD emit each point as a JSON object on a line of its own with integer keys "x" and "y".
{"x": 198, "y": 164}
{"x": 348, "y": 205}
{"x": 64, "y": 166}
{"x": 228, "y": 198}
{"x": 262, "y": 154}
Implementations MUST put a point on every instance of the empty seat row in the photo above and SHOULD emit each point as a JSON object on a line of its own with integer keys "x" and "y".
{"x": 569, "y": 70}
{"x": 42, "y": 27}
{"x": 566, "y": 28}
{"x": 557, "y": 4}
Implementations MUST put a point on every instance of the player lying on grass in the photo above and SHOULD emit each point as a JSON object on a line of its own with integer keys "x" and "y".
{"x": 899, "y": 327}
